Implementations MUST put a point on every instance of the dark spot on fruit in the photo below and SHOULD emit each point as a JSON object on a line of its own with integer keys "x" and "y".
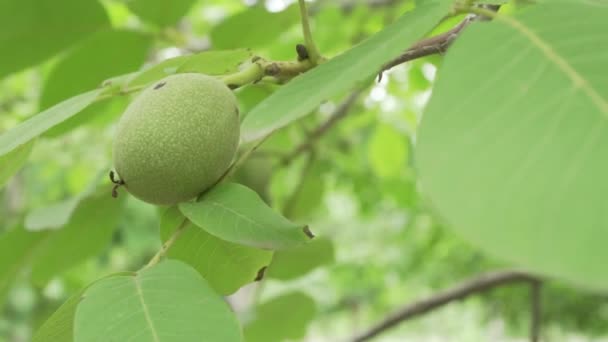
{"x": 236, "y": 111}
{"x": 233, "y": 86}
{"x": 255, "y": 59}
{"x": 160, "y": 85}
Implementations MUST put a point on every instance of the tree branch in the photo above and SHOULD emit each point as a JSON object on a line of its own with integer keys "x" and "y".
{"x": 435, "y": 44}
{"x": 339, "y": 114}
{"x": 482, "y": 283}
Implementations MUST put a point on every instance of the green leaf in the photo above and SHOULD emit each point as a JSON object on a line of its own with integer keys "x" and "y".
{"x": 296, "y": 262}
{"x": 512, "y": 147}
{"x": 100, "y": 56}
{"x": 167, "y": 302}
{"x": 17, "y": 247}
{"x": 43, "y": 121}
{"x": 226, "y": 266}
{"x": 218, "y": 62}
{"x": 157, "y": 72}
{"x": 13, "y": 161}
{"x": 341, "y": 73}
{"x": 88, "y": 233}
{"x": 99, "y": 114}
{"x": 252, "y": 28}
{"x": 237, "y": 214}
{"x": 160, "y": 12}
{"x": 282, "y": 318}
{"x": 33, "y": 30}
{"x": 51, "y": 216}
{"x": 387, "y": 151}
{"x": 60, "y": 326}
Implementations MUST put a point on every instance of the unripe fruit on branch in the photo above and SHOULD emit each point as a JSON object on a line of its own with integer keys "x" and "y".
{"x": 176, "y": 138}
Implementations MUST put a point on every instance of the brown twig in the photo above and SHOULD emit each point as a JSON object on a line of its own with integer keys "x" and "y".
{"x": 339, "y": 114}
{"x": 435, "y": 44}
{"x": 482, "y": 283}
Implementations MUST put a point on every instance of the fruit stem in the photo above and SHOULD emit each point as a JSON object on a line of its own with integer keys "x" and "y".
{"x": 260, "y": 69}
{"x": 165, "y": 247}
{"x": 313, "y": 53}
{"x": 252, "y": 73}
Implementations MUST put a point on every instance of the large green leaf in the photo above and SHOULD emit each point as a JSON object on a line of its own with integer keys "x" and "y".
{"x": 282, "y": 318}
{"x": 11, "y": 163}
{"x": 87, "y": 233}
{"x": 45, "y": 120}
{"x": 156, "y": 72}
{"x": 33, "y": 30}
{"x": 296, "y": 262}
{"x": 341, "y": 73}
{"x": 253, "y": 28}
{"x": 17, "y": 247}
{"x": 160, "y": 12}
{"x": 217, "y": 62}
{"x": 225, "y": 265}
{"x": 237, "y": 214}
{"x": 512, "y": 147}
{"x": 102, "y": 55}
{"x": 167, "y": 302}
{"x": 60, "y": 326}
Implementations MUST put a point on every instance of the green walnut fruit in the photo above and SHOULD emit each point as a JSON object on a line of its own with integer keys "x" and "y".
{"x": 176, "y": 138}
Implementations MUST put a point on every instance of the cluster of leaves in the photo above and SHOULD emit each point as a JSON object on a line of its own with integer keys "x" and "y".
{"x": 490, "y": 155}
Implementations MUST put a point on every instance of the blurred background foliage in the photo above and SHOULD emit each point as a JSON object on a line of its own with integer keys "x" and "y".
{"x": 381, "y": 246}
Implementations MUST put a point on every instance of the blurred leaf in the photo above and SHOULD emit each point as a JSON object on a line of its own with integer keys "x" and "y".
{"x": 41, "y": 122}
{"x": 296, "y": 262}
{"x": 17, "y": 247}
{"x": 282, "y": 318}
{"x": 225, "y": 265}
{"x": 52, "y": 216}
{"x": 167, "y": 302}
{"x": 309, "y": 194}
{"x": 237, "y": 214}
{"x": 34, "y": 30}
{"x": 253, "y": 28}
{"x": 387, "y": 151}
{"x": 218, "y": 62}
{"x": 160, "y": 12}
{"x": 88, "y": 233}
{"x": 341, "y": 73}
{"x": 13, "y": 161}
{"x": 105, "y": 54}
{"x": 513, "y": 154}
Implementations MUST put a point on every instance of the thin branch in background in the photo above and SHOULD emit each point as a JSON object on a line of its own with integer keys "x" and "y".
{"x": 535, "y": 310}
{"x": 340, "y": 113}
{"x": 476, "y": 285}
{"x": 436, "y": 44}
